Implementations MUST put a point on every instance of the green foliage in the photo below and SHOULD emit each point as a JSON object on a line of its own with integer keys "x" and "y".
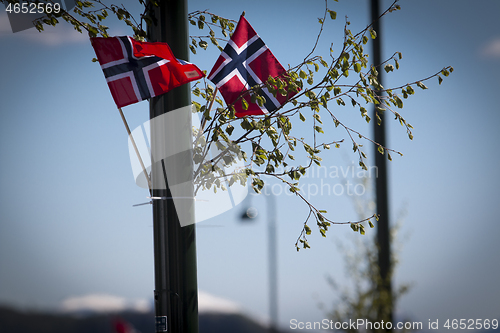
{"x": 365, "y": 296}
{"x": 198, "y": 19}
{"x": 344, "y": 78}
{"x": 318, "y": 81}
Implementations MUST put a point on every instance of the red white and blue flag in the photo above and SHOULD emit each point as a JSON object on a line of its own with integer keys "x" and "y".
{"x": 136, "y": 71}
{"x": 245, "y": 62}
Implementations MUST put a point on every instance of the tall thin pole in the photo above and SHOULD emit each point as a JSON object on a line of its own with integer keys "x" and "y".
{"x": 273, "y": 263}
{"x": 176, "y": 290}
{"x": 272, "y": 256}
{"x": 383, "y": 232}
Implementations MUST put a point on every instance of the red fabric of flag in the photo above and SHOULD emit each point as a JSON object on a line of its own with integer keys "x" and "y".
{"x": 136, "y": 71}
{"x": 245, "y": 62}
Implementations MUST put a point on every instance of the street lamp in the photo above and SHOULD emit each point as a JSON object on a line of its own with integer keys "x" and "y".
{"x": 249, "y": 214}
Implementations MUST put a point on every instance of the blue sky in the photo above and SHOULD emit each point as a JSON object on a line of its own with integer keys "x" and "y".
{"x": 68, "y": 228}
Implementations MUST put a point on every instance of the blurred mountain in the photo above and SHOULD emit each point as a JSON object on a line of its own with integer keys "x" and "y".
{"x": 17, "y": 321}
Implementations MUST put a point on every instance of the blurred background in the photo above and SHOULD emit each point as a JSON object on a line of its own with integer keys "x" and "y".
{"x": 71, "y": 240}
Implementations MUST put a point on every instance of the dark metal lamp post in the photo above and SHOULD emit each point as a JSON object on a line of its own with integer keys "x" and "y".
{"x": 249, "y": 214}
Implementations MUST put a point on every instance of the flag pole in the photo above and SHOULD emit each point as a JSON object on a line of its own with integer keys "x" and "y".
{"x": 385, "y": 309}
{"x": 136, "y": 151}
{"x": 176, "y": 285}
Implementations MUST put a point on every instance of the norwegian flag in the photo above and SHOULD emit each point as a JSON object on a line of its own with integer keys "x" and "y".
{"x": 245, "y": 62}
{"x": 136, "y": 71}
{"x": 122, "y": 326}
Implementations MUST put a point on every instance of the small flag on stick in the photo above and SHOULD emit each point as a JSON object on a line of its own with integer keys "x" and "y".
{"x": 136, "y": 71}
{"x": 245, "y": 62}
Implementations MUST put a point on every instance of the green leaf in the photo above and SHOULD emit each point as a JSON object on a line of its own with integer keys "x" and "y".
{"x": 253, "y": 98}
{"x": 301, "y": 116}
{"x": 203, "y": 44}
{"x": 310, "y": 94}
{"x": 373, "y": 33}
{"x": 380, "y": 150}
{"x": 320, "y": 217}
{"x": 261, "y": 100}
{"x": 440, "y": 79}
{"x": 388, "y": 68}
{"x": 269, "y": 168}
{"x": 307, "y": 229}
{"x": 244, "y": 104}
{"x": 370, "y": 224}
{"x": 399, "y": 102}
{"x": 93, "y": 31}
{"x": 333, "y": 74}
{"x": 197, "y": 105}
{"x": 229, "y": 129}
{"x": 405, "y": 94}
{"x": 421, "y": 85}
{"x": 302, "y": 74}
{"x": 333, "y": 15}
{"x": 357, "y": 67}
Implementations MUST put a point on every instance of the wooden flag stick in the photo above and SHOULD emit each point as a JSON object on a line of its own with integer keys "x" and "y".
{"x": 203, "y": 122}
{"x": 136, "y": 151}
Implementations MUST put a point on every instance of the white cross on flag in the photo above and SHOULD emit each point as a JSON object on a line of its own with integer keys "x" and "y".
{"x": 136, "y": 71}
{"x": 245, "y": 62}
